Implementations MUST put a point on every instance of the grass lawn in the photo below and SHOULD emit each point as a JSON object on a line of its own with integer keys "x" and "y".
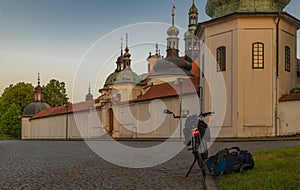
{"x": 5, "y": 137}
{"x": 274, "y": 169}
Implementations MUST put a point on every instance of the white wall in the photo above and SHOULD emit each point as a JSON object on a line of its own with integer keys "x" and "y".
{"x": 289, "y": 114}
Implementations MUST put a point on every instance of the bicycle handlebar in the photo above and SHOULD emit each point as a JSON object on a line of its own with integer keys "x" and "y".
{"x": 206, "y": 114}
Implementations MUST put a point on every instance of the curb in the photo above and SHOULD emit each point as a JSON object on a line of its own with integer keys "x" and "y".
{"x": 210, "y": 183}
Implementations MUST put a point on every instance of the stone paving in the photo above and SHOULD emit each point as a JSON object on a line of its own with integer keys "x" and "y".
{"x": 72, "y": 165}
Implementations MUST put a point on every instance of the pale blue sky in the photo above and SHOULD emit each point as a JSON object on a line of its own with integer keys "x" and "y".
{"x": 53, "y": 36}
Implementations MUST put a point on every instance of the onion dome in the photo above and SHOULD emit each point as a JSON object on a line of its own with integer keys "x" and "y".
{"x": 193, "y": 9}
{"x": 173, "y": 31}
{"x": 38, "y": 104}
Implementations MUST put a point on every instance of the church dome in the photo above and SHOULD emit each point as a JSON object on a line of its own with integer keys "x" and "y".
{"x": 219, "y": 8}
{"x": 111, "y": 79}
{"x": 172, "y": 31}
{"x": 34, "y": 108}
{"x": 172, "y": 66}
{"x": 125, "y": 76}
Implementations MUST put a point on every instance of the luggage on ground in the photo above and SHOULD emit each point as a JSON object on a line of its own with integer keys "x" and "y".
{"x": 230, "y": 160}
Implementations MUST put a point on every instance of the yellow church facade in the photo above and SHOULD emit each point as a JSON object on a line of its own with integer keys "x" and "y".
{"x": 256, "y": 54}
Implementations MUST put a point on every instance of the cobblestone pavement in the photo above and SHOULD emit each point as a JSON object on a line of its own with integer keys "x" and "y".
{"x": 72, "y": 165}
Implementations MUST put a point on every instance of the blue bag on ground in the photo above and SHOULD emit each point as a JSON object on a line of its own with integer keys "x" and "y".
{"x": 230, "y": 160}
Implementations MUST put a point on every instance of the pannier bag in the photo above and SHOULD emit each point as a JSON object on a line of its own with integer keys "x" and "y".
{"x": 192, "y": 123}
{"x": 230, "y": 160}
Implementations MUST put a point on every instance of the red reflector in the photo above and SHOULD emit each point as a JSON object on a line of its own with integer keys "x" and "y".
{"x": 196, "y": 132}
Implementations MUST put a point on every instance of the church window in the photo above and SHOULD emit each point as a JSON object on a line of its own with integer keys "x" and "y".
{"x": 258, "y": 55}
{"x": 287, "y": 59}
{"x": 221, "y": 58}
{"x": 190, "y": 46}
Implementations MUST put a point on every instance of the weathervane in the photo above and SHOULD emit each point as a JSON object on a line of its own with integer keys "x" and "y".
{"x": 173, "y": 11}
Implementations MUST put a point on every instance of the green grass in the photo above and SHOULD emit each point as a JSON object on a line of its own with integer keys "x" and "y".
{"x": 6, "y": 137}
{"x": 274, "y": 169}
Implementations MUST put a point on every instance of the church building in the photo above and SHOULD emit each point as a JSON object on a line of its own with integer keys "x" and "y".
{"x": 255, "y": 47}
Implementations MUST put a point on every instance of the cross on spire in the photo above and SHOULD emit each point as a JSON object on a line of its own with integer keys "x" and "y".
{"x": 38, "y": 78}
{"x": 173, "y": 12}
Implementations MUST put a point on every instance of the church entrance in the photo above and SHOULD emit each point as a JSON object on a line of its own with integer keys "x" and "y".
{"x": 111, "y": 121}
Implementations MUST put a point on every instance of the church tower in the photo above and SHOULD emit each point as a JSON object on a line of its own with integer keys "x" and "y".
{"x": 172, "y": 40}
{"x": 120, "y": 60}
{"x": 127, "y": 55}
{"x": 89, "y": 96}
{"x": 38, "y": 92}
{"x": 192, "y": 43}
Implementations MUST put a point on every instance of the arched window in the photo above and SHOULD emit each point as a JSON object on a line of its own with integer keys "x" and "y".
{"x": 221, "y": 58}
{"x": 258, "y": 55}
{"x": 287, "y": 59}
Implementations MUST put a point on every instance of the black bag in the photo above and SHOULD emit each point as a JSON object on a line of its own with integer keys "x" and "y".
{"x": 230, "y": 160}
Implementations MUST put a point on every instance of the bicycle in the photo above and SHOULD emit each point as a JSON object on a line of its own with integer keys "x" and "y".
{"x": 200, "y": 134}
{"x": 196, "y": 133}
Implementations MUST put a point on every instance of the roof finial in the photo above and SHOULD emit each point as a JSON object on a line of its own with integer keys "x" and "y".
{"x": 38, "y": 78}
{"x": 127, "y": 54}
{"x": 127, "y": 40}
{"x": 89, "y": 87}
{"x": 127, "y": 49}
{"x": 173, "y": 12}
{"x": 157, "y": 49}
{"x": 121, "y": 46}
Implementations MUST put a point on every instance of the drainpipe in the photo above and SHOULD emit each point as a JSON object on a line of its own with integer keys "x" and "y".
{"x": 277, "y": 76}
{"x": 67, "y": 120}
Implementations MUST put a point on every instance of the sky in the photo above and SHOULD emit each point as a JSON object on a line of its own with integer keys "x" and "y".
{"x": 78, "y": 41}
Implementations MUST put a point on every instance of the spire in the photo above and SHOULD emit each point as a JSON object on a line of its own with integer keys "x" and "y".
{"x": 192, "y": 44}
{"x": 89, "y": 96}
{"x": 38, "y": 78}
{"x": 193, "y": 17}
{"x": 157, "y": 50}
{"x": 173, "y": 12}
{"x": 121, "y": 46}
{"x": 38, "y": 92}
{"x": 120, "y": 59}
{"x": 127, "y": 55}
{"x": 172, "y": 40}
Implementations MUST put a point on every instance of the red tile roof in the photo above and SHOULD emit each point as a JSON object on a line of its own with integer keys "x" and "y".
{"x": 77, "y": 107}
{"x": 170, "y": 90}
{"x": 290, "y": 97}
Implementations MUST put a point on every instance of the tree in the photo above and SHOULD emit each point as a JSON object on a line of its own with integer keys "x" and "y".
{"x": 12, "y": 103}
{"x": 10, "y": 121}
{"x": 20, "y": 94}
{"x": 55, "y": 93}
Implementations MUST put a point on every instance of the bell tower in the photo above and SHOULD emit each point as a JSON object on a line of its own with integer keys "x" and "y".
{"x": 38, "y": 92}
{"x": 192, "y": 45}
{"x": 172, "y": 40}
